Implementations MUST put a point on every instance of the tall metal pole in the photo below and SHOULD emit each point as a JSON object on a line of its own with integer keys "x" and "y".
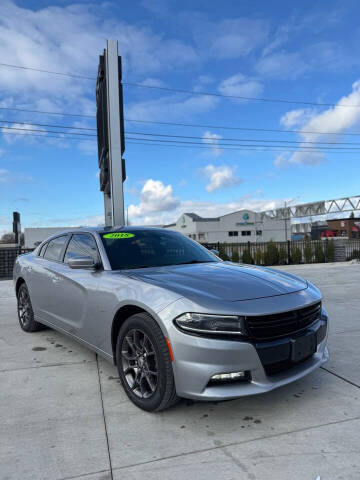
{"x": 115, "y": 204}
{"x": 285, "y": 218}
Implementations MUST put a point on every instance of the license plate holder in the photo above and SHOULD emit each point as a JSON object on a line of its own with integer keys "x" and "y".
{"x": 303, "y": 347}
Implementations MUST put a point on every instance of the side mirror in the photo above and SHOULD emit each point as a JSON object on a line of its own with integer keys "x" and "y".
{"x": 214, "y": 251}
{"x": 82, "y": 262}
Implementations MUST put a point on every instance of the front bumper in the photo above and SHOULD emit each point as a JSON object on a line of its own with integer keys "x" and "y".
{"x": 197, "y": 359}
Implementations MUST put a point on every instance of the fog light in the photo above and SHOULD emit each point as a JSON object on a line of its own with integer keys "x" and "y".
{"x": 228, "y": 377}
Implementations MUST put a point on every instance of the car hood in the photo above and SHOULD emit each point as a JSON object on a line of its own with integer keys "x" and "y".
{"x": 221, "y": 280}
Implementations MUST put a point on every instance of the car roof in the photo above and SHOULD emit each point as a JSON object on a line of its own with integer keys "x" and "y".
{"x": 101, "y": 230}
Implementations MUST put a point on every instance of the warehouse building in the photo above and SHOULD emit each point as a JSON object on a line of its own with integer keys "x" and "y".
{"x": 237, "y": 227}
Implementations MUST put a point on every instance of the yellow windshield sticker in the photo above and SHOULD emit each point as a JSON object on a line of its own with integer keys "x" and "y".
{"x": 119, "y": 235}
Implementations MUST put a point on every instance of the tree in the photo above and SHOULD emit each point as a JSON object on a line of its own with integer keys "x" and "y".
{"x": 352, "y": 215}
{"x": 282, "y": 256}
{"x": 259, "y": 256}
{"x": 247, "y": 258}
{"x": 222, "y": 252}
{"x": 271, "y": 256}
{"x": 8, "y": 237}
{"x": 319, "y": 252}
{"x": 235, "y": 256}
{"x": 296, "y": 255}
{"x": 329, "y": 250}
{"x": 308, "y": 252}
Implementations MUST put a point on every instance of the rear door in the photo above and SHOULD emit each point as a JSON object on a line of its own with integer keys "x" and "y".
{"x": 44, "y": 280}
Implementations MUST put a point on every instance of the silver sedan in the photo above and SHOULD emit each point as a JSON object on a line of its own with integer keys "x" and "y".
{"x": 175, "y": 319}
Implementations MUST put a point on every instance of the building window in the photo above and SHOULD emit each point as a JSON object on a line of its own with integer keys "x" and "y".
{"x": 259, "y": 233}
{"x": 233, "y": 234}
{"x": 246, "y": 233}
{"x": 201, "y": 236}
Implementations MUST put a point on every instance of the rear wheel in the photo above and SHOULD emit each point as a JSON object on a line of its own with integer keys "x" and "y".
{"x": 144, "y": 364}
{"x": 25, "y": 311}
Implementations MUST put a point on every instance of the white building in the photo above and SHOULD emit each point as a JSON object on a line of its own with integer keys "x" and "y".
{"x": 34, "y": 236}
{"x": 237, "y": 227}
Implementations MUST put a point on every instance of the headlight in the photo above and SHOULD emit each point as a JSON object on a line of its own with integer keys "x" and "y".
{"x": 216, "y": 324}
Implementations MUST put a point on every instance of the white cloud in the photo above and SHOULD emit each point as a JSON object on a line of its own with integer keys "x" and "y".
{"x": 152, "y": 82}
{"x": 69, "y": 39}
{"x": 155, "y": 198}
{"x": 220, "y": 177}
{"x": 171, "y": 107}
{"x": 205, "y": 209}
{"x": 8, "y": 177}
{"x": 213, "y": 140}
{"x": 300, "y": 157}
{"x": 239, "y": 85}
{"x": 226, "y": 39}
{"x": 281, "y": 65}
{"x": 296, "y": 117}
{"x": 329, "y": 124}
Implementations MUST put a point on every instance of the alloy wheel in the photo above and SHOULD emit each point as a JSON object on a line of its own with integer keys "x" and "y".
{"x": 139, "y": 363}
{"x": 24, "y": 307}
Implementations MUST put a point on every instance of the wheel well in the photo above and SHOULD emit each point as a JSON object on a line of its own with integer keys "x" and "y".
{"x": 121, "y": 315}
{"x": 19, "y": 282}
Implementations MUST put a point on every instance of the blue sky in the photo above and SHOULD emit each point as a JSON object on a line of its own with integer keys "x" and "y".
{"x": 276, "y": 50}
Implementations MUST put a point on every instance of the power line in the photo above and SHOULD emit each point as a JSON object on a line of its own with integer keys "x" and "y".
{"x": 44, "y": 136}
{"x": 47, "y": 113}
{"x": 238, "y": 97}
{"x": 192, "y": 125}
{"x": 50, "y": 131}
{"x": 206, "y": 139}
{"x": 256, "y": 148}
{"x": 47, "y": 125}
{"x": 171, "y": 136}
{"x": 197, "y": 125}
{"x": 192, "y": 92}
{"x": 219, "y": 145}
{"x": 47, "y": 71}
{"x": 211, "y": 144}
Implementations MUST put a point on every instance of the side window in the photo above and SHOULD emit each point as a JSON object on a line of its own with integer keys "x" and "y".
{"x": 55, "y": 248}
{"x": 82, "y": 245}
{"x": 42, "y": 250}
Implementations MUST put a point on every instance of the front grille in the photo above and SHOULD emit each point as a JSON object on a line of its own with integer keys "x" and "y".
{"x": 264, "y": 327}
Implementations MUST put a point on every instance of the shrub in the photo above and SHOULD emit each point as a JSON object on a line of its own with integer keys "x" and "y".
{"x": 296, "y": 255}
{"x": 222, "y": 252}
{"x": 283, "y": 256}
{"x": 355, "y": 255}
{"x": 329, "y": 250}
{"x": 319, "y": 252}
{"x": 235, "y": 256}
{"x": 308, "y": 252}
{"x": 259, "y": 257}
{"x": 246, "y": 257}
{"x": 271, "y": 256}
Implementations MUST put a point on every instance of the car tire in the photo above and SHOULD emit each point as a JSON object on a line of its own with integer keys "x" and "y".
{"x": 25, "y": 311}
{"x": 144, "y": 364}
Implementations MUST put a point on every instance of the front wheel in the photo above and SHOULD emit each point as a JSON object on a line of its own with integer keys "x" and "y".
{"x": 144, "y": 364}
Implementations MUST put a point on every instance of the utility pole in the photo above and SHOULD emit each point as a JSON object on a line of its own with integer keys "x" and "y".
{"x": 110, "y": 127}
{"x": 285, "y": 219}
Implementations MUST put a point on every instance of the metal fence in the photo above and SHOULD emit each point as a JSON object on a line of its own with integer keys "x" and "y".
{"x": 264, "y": 253}
{"x": 290, "y": 252}
{"x": 7, "y": 259}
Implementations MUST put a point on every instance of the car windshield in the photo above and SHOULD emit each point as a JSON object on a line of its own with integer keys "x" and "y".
{"x": 152, "y": 248}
